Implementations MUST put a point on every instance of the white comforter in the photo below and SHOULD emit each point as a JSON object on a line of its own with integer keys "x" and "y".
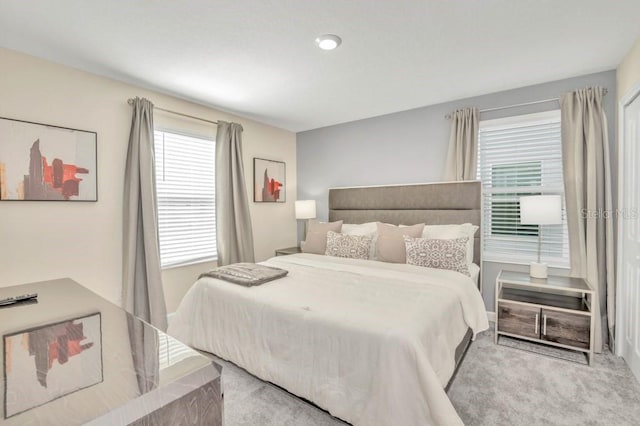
{"x": 373, "y": 343}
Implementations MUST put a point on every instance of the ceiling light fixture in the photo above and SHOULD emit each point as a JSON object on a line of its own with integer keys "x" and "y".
{"x": 328, "y": 41}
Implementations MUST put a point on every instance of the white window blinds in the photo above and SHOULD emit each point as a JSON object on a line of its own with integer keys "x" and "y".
{"x": 185, "y": 182}
{"x": 520, "y": 156}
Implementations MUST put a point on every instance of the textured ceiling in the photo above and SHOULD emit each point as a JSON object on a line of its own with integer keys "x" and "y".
{"x": 257, "y": 58}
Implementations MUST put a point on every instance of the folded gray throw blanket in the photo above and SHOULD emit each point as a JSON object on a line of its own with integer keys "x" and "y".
{"x": 246, "y": 274}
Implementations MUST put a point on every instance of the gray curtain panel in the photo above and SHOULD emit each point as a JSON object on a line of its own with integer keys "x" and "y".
{"x": 587, "y": 182}
{"x": 143, "y": 294}
{"x": 462, "y": 157}
{"x": 145, "y": 352}
{"x": 233, "y": 219}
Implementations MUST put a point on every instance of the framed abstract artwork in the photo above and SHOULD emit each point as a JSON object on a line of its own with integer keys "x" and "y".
{"x": 47, "y": 362}
{"x": 269, "y": 181}
{"x": 39, "y": 162}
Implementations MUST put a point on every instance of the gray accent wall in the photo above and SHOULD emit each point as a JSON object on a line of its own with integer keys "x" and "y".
{"x": 411, "y": 147}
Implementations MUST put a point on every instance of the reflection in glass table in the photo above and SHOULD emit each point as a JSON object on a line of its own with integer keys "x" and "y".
{"x": 75, "y": 358}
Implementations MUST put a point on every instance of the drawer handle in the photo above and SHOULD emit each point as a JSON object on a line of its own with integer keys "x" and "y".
{"x": 544, "y": 325}
{"x": 536, "y": 325}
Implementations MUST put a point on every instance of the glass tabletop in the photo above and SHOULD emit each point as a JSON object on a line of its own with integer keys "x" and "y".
{"x": 555, "y": 282}
{"x": 73, "y": 357}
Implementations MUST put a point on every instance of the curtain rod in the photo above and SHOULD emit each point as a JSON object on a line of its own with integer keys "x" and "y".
{"x": 130, "y": 102}
{"x": 448, "y": 116}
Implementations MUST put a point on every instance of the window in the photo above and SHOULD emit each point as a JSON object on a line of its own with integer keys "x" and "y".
{"x": 185, "y": 182}
{"x": 505, "y": 208}
{"x": 519, "y": 156}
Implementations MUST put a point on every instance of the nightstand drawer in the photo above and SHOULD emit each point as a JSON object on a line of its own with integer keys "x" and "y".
{"x": 566, "y": 328}
{"x": 519, "y": 319}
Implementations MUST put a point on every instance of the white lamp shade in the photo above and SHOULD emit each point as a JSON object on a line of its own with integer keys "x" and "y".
{"x": 306, "y": 209}
{"x": 541, "y": 210}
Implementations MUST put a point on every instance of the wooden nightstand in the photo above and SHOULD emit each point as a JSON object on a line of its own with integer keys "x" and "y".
{"x": 288, "y": 250}
{"x": 554, "y": 311}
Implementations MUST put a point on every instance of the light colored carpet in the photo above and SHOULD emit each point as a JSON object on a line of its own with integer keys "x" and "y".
{"x": 499, "y": 385}
{"x": 496, "y": 385}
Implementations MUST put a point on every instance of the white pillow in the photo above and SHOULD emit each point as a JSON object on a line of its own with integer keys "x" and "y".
{"x": 359, "y": 228}
{"x": 368, "y": 229}
{"x": 451, "y": 232}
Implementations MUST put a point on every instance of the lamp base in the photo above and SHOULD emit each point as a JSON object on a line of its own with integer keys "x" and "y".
{"x": 538, "y": 270}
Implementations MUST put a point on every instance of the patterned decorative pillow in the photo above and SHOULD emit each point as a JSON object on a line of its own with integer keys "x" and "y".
{"x": 440, "y": 254}
{"x": 446, "y": 232}
{"x": 369, "y": 229}
{"x": 349, "y": 246}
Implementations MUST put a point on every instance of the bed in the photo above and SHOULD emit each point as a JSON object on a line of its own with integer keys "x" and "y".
{"x": 373, "y": 343}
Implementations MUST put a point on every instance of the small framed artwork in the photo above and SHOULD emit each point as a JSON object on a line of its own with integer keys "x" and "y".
{"x": 39, "y": 162}
{"x": 269, "y": 181}
{"x": 48, "y": 362}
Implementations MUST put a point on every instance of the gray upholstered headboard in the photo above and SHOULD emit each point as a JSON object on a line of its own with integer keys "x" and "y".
{"x": 431, "y": 203}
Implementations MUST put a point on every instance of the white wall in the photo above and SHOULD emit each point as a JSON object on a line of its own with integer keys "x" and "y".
{"x": 46, "y": 240}
{"x": 628, "y": 72}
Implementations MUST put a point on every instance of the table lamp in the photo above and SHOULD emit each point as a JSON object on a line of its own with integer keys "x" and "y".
{"x": 540, "y": 210}
{"x": 306, "y": 209}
